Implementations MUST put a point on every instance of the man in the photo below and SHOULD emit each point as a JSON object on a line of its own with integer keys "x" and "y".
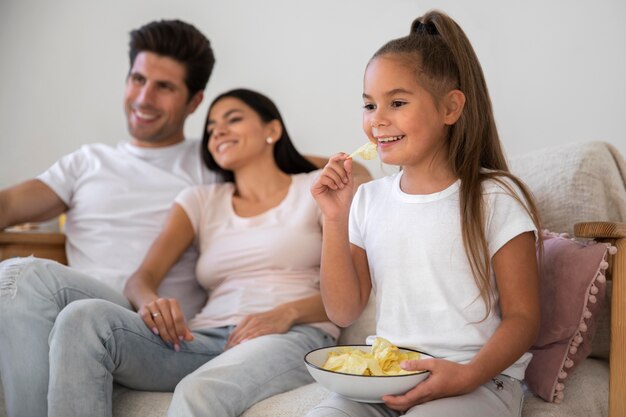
{"x": 116, "y": 200}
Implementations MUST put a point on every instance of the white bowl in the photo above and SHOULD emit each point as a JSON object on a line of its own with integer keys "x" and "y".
{"x": 362, "y": 388}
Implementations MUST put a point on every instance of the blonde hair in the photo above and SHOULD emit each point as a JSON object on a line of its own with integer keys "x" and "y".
{"x": 444, "y": 60}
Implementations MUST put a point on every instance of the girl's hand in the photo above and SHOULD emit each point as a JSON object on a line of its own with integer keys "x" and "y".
{"x": 446, "y": 379}
{"x": 334, "y": 188}
{"x": 269, "y": 322}
{"x": 165, "y": 318}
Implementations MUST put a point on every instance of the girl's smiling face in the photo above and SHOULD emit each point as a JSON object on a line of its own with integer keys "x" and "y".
{"x": 400, "y": 115}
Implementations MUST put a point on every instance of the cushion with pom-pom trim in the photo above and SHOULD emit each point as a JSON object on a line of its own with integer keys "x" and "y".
{"x": 572, "y": 291}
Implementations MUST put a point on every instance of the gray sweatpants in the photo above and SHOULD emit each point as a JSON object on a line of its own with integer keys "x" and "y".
{"x": 502, "y": 399}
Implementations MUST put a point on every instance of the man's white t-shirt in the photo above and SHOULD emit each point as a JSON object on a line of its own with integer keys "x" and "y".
{"x": 118, "y": 199}
{"x": 426, "y": 296}
{"x": 253, "y": 264}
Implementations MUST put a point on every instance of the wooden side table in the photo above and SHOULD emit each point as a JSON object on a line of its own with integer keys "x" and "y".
{"x": 43, "y": 245}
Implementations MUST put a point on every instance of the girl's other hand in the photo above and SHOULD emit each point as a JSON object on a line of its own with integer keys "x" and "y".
{"x": 334, "y": 188}
{"x": 166, "y": 319}
{"x": 446, "y": 379}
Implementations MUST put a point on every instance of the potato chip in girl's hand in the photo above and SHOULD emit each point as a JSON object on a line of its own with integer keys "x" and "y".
{"x": 367, "y": 151}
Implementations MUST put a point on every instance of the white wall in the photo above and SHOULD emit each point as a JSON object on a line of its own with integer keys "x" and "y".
{"x": 555, "y": 68}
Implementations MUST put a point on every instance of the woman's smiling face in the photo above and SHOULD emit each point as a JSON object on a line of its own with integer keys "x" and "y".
{"x": 237, "y": 133}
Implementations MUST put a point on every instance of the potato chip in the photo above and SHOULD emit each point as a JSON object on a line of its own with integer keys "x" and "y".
{"x": 367, "y": 151}
{"x": 383, "y": 359}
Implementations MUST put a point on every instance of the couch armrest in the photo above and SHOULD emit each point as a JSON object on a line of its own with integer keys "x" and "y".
{"x": 46, "y": 245}
{"x": 615, "y": 233}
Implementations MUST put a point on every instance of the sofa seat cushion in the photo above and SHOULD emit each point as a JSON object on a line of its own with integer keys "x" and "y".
{"x": 588, "y": 388}
{"x": 587, "y": 394}
{"x": 131, "y": 403}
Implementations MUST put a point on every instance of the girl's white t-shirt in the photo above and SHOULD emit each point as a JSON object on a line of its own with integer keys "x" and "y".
{"x": 253, "y": 264}
{"x": 426, "y": 296}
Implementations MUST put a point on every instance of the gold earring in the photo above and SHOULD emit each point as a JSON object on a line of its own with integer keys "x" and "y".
{"x": 269, "y": 140}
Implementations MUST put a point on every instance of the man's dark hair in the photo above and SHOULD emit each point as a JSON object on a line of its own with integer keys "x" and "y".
{"x": 180, "y": 41}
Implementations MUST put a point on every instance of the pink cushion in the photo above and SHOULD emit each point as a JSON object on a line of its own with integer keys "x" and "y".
{"x": 572, "y": 290}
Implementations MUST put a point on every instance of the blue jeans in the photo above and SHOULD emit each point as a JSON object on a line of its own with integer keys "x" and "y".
{"x": 66, "y": 331}
{"x": 32, "y": 293}
{"x": 95, "y": 342}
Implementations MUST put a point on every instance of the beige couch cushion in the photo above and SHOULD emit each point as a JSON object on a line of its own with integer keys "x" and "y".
{"x": 575, "y": 183}
{"x": 587, "y": 396}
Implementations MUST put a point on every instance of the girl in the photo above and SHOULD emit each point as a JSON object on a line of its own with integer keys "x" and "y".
{"x": 447, "y": 244}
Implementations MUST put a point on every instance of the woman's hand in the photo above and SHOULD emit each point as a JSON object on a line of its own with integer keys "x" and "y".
{"x": 162, "y": 315}
{"x": 165, "y": 318}
{"x": 334, "y": 188}
{"x": 269, "y": 322}
{"x": 446, "y": 379}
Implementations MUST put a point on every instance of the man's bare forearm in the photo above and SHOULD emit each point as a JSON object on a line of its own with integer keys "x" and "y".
{"x": 30, "y": 201}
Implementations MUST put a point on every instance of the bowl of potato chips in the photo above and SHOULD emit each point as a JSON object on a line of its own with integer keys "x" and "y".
{"x": 365, "y": 373}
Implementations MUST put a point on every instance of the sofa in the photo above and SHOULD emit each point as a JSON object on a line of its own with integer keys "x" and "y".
{"x": 574, "y": 185}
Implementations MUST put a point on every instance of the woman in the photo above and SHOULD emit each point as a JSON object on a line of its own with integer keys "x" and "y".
{"x": 259, "y": 237}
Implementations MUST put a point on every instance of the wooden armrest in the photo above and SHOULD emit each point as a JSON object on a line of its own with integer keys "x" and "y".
{"x": 32, "y": 237}
{"x": 42, "y": 245}
{"x": 616, "y": 234}
{"x": 603, "y": 230}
